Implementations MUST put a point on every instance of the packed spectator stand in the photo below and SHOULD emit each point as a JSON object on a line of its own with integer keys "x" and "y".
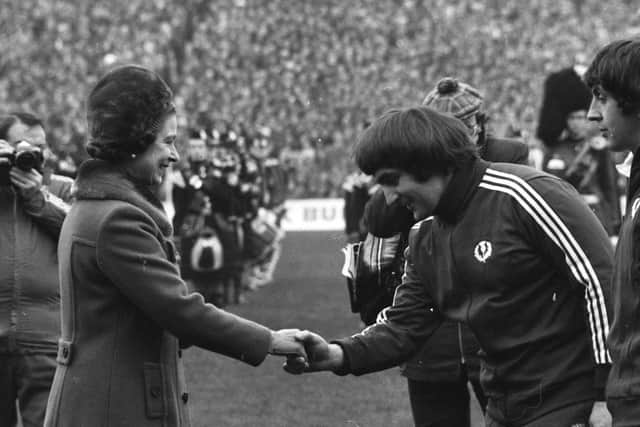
{"x": 311, "y": 71}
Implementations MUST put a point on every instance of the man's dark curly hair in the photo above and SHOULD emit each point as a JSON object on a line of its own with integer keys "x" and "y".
{"x": 418, "y": 140}
{"x": 125, "y": 111}
{"x": 616, "y": 69}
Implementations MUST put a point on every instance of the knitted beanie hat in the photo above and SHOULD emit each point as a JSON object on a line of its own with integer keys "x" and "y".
{"x": 125, "y": 111}
{"x": 454, "y": 97}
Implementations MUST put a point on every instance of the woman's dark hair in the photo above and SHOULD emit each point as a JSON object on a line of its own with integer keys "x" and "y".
{"x": 616, "y": 68}
{"x": 418, "y": 140}
{"x": 125, "y": 111}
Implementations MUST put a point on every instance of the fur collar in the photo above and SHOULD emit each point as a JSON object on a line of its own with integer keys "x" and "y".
{"x": 100, "y": 180}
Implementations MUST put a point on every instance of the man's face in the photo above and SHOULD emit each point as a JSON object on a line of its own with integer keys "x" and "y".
{"x": 150, "y": 166}
{"x": 197, "y": 150}
{"x": 260, "y": 148}
{"x": 34, "y": 135}
{"x": 621, "y": 130}
{"x": 578, "y": 125}
{"x": 421, "y": 197}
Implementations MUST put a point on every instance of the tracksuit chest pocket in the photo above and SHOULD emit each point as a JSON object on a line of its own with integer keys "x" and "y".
{"x": 154, "y": 395}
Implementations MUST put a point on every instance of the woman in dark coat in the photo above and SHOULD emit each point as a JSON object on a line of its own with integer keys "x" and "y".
{"x": 126, "y": 313}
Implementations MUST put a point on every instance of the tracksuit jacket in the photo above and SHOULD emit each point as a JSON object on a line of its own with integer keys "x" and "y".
{"x": 452, "y": 345}
{"x": 517, "y": 255}
{"x": 623, "y": 386}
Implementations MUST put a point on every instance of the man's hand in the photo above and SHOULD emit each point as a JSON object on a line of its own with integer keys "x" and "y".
{"x": 322, "y": 356}
{"x": 600, "y": 416}
{"x": 28, "y": 184}
{"x": 284, "y": 343}
{"x": 5, "y": 147}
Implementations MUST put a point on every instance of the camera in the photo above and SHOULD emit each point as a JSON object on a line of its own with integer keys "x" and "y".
{"x": 24, "y": 156}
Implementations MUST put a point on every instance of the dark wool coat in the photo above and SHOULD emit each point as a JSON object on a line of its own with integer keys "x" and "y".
{"x": 125, "y": 312}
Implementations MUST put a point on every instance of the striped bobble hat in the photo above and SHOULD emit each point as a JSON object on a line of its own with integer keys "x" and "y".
{"x": 454, "y": 97}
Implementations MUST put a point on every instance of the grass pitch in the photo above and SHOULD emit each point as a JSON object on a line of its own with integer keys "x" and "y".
{"x": 308, "y": 293}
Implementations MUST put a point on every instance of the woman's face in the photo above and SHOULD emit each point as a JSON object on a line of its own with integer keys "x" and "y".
{"x": 151, "y": 166}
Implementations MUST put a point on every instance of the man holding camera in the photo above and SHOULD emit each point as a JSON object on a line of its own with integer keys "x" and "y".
{"x": 31, "y": 213}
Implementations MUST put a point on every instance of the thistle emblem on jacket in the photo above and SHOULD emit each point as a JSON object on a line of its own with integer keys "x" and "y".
{"x": 483, "y": 251}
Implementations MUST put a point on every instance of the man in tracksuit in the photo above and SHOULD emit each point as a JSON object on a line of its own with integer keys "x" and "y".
{"x": 614, "y": 79}
{"x": 513, "y": 252}
{"x": 439, "y": 374}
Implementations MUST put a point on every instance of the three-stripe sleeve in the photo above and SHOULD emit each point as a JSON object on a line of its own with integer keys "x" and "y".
{"x": 557, "y": 230}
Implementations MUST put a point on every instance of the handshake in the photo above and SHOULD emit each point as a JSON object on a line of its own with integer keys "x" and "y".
{"x": 305, "y": 351}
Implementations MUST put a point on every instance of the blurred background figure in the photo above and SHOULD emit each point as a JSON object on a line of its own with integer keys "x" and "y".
{"x": 197, "y": 230}
{"x": 265, "y": 227}
{"x": 33, "y": 203}
{"x": 357, "y": 189}
{"x": 574, "y": 149}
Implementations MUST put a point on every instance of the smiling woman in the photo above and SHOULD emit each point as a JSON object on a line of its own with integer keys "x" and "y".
{"x": 150, "y": 166}
{"x": 126, "y": 312}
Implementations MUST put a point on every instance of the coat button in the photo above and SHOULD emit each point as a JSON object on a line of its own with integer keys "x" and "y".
{"x": 155, "y": 391}
{"x": 185, "y": 397}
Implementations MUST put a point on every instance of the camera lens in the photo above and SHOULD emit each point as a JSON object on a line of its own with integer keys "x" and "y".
{"x": 29, "y": 158}
{"x": 25, "y": 160}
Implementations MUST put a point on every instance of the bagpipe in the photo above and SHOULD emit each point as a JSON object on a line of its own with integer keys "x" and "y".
{"x": 261, "y": 233}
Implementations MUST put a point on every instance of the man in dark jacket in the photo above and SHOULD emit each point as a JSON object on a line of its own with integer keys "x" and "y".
{"x": 437, "y": 376}
{"x": 513, "y": 252}
{"x": 32, "y": 208}
{"x": 613, "y": 79}
{"x": 574, "y": 150}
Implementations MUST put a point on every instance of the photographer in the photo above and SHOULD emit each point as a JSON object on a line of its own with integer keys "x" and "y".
{"x": 31, "y": 213}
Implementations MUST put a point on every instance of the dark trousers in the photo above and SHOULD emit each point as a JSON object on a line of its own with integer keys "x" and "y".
{"x": 443, "y": 404}
{"x": 25, "y": 381}
{"x": 576, "y": 415}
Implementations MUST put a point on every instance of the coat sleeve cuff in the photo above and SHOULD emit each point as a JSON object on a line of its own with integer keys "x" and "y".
{"x": 345, "y": 369}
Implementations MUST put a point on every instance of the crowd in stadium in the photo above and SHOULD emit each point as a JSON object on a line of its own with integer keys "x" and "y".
{"x": 217, "y": 112}
{"x": 311, "y": 71}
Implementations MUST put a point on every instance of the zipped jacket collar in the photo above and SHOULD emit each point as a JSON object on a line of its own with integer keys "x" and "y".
{"x": 458, "y": 192}
{"x": 634, "y": 178}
